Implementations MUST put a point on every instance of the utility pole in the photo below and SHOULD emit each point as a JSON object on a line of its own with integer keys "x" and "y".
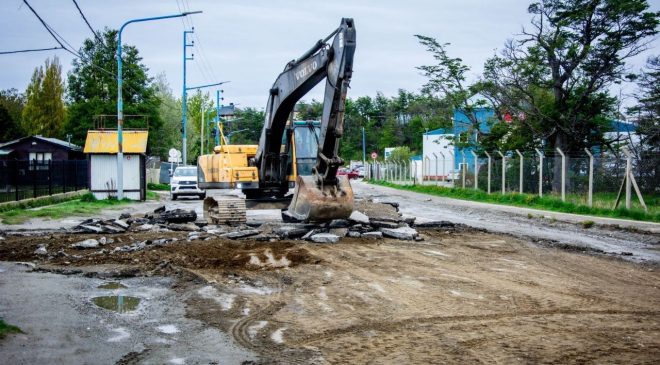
{"x": 217, "y": 115}
{"x": 364, "y": 148}
{"x": 185, "y": 92}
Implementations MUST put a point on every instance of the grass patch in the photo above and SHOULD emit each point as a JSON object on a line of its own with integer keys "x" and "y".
{"x": 84, "y": 205}
{"x": 162, "y": 187}
{"x": 6, "y": 329}
{"x": 35, "y": 203}
{"x": 550, "y": 203}
{"x": 587, "y": 224}
{"x": 152, "y": 195}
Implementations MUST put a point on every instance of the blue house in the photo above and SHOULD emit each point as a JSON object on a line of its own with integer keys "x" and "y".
{"x": 441, "y": 140}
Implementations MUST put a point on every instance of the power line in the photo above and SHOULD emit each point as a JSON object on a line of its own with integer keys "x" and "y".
{"x": 30, "y": 50}
{"x": 87, "y": 22}
{"x": 52, "y": 32}
{"x": 44, "y": 24}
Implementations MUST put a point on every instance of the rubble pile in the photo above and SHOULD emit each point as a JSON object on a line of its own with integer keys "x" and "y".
{"x": 371, "y": 220}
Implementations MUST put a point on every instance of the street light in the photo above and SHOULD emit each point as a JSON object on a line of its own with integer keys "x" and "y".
{"x": 120, "y": 103}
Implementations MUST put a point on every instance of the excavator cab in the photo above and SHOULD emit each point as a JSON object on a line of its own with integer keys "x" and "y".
{"x": 306, "y": 137}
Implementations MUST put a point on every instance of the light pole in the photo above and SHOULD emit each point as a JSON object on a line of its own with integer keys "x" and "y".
{"x": 120, "y": 103}
{"x": 185, "y": 101}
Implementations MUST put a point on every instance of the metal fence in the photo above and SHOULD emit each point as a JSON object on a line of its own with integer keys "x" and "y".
{"x": 30, "y": 179}
{"x": 592, "y": 180}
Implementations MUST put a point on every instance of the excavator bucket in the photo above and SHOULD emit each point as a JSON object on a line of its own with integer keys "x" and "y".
{"x": 314, "y": 203}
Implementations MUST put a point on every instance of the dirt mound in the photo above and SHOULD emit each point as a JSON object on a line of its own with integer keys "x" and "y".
{"x": 213, "y": 253}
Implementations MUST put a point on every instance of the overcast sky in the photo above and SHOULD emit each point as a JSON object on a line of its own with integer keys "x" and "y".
{"x": 249, "y": 42}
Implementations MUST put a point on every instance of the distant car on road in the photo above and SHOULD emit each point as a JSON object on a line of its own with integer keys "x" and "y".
{"x": 184, "y": 183}
{"x": 351, "y": 174}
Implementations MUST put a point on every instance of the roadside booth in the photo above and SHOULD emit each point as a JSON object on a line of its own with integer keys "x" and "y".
{"x": 101, "y": 148}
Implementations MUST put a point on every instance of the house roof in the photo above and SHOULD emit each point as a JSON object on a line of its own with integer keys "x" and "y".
{"x": 55, "y": 141}
{"x": 5, "y": 152}
{"x": 106, "y": 142}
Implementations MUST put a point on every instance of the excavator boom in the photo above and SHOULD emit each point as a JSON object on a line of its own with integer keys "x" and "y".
{"x": 324, "y": 195}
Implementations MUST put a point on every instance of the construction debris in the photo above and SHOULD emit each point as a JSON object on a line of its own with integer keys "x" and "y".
{"x": 88, "y": 243}
{"x": 325, "y": 238}
{"x": 371, "y": 220}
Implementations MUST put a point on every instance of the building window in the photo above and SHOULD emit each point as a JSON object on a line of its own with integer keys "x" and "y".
{"x": 40, "y": 160}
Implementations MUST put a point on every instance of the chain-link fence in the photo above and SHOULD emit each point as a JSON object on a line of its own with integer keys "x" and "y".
{"x": 30, "y": 179}
{"x": 594, "y": 180}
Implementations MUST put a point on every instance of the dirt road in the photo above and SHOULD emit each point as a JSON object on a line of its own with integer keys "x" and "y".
{"x": 459, "y": 296}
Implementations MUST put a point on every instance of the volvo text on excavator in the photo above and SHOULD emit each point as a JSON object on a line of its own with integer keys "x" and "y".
{"x": 266, "y": 172}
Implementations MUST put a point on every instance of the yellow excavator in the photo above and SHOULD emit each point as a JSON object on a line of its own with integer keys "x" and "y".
{"x": 300, "y": 155}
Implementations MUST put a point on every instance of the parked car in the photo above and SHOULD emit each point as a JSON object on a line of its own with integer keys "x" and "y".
{"x": 184, "y": 183}
{"x": 350, "y": 173}
{"x": 359, "y": 170}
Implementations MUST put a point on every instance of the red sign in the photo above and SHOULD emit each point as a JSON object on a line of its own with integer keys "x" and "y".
{"x": 374, "y": 155}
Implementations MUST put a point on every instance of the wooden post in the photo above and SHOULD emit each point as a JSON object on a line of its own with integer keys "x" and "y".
{"x": 488, "y": 154}
{"x": 590, "y": 200}
{"x": 520, "y": 174}
{"x": 476, "y": 170}
{"x": 503, "y": 171}
{"x": 563, "y": 174}
{"x": 463, "y": 169}
{"x": 540, "y": 171}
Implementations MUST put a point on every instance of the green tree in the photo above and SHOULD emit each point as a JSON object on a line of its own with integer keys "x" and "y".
{"x": 197, "y": 103}
{"x": 169, "y": 111}
{"x": 44, "y": 112}
{"x": 250, "y": 119}
{"x": 11, "y": 107}
{"x": 448, "y": 80}
{"x": 92, "y": 91}
{"x": 647, "y": 111}
{"x": 401, "y": 154}
{"x": 559, "y": 71}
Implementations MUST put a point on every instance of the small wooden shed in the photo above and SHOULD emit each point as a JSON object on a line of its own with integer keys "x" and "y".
{"x": 101, "y": 148}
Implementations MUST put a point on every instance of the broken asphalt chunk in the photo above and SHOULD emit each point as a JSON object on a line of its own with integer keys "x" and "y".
{"x": 325, "y": 238}
{"x": 401, "y": 233}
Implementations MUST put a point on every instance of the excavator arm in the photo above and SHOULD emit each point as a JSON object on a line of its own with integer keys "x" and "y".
{"x": 330, "y": 61}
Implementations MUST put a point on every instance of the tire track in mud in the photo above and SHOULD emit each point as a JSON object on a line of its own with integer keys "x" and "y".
{"x": 239, "y": 331}
{"x": 422, "y": 322}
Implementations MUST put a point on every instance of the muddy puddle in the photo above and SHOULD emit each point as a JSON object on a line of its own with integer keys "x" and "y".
{"x": 117, "y": 303}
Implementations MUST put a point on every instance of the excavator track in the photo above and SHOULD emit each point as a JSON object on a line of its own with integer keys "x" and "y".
{"x": 229, "y": 211}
